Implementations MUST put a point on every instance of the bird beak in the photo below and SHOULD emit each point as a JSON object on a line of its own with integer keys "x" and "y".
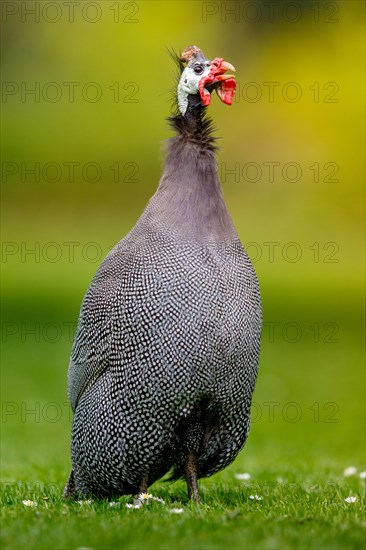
{"x": 224, "y": 84}
{"x": 219, "y": 67}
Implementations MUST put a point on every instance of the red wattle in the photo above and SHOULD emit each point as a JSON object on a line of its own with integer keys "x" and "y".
{"x": 227, "y": 90}
{"x": 205, "y": 94}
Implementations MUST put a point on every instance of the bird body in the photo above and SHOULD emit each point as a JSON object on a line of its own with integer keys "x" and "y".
{"x": 165, "y": 357}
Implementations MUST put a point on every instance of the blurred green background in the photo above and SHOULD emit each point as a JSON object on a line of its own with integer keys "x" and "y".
{"x": 292, "y": 168}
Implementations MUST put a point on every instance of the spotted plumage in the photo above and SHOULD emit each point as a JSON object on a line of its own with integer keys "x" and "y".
{"x": 166, "y": 352}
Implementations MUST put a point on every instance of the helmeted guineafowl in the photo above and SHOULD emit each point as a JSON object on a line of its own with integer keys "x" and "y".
{"x": 166, "y": 353}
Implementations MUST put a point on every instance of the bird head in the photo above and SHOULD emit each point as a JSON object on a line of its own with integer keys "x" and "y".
{"x": 202, "y": 76}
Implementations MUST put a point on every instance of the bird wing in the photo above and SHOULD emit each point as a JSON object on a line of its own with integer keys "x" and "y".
{"x": 91, "y": 352}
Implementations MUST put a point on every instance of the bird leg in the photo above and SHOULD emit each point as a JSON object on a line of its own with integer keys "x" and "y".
{"x": 142, "y": 489}
{"x": 70, "y": 491}
{"x": 191, "y": 476}
{"x": 143, "y": 485}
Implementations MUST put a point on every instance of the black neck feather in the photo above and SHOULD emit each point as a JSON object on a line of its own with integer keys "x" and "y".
{"x": 189, "y": 199}
{"x": 194, "y": 125}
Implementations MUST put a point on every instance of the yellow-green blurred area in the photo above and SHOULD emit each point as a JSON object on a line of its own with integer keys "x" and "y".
{"x": 86, "y": 89}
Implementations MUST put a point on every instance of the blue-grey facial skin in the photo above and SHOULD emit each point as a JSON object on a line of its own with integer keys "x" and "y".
{"x": 189, "y": 82}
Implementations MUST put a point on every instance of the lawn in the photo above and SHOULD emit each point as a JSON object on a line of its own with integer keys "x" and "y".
{"x": 300, "y": 508}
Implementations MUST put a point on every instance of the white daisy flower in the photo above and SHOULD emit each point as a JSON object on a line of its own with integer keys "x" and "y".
{"x": 176, "y": 511}
{"x": 144, "y": 496}
{"x": 255, "y": 497}
{"x": 350, "y": 500}
{"x": 82, "y": 502}
{"x": 134, "y": 506}
{"x": 142, "y": 499}
{"x": 114, "y": 504}
{"x": 157, "y": 499}
{"x": 243, "y": 477}
{"x": 30, "y": 503}
{"x": 363, "y": 475}
{"x": 350, "y": 471}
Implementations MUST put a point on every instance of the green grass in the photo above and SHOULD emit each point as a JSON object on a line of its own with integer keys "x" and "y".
{"x": 306, "y": 509}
